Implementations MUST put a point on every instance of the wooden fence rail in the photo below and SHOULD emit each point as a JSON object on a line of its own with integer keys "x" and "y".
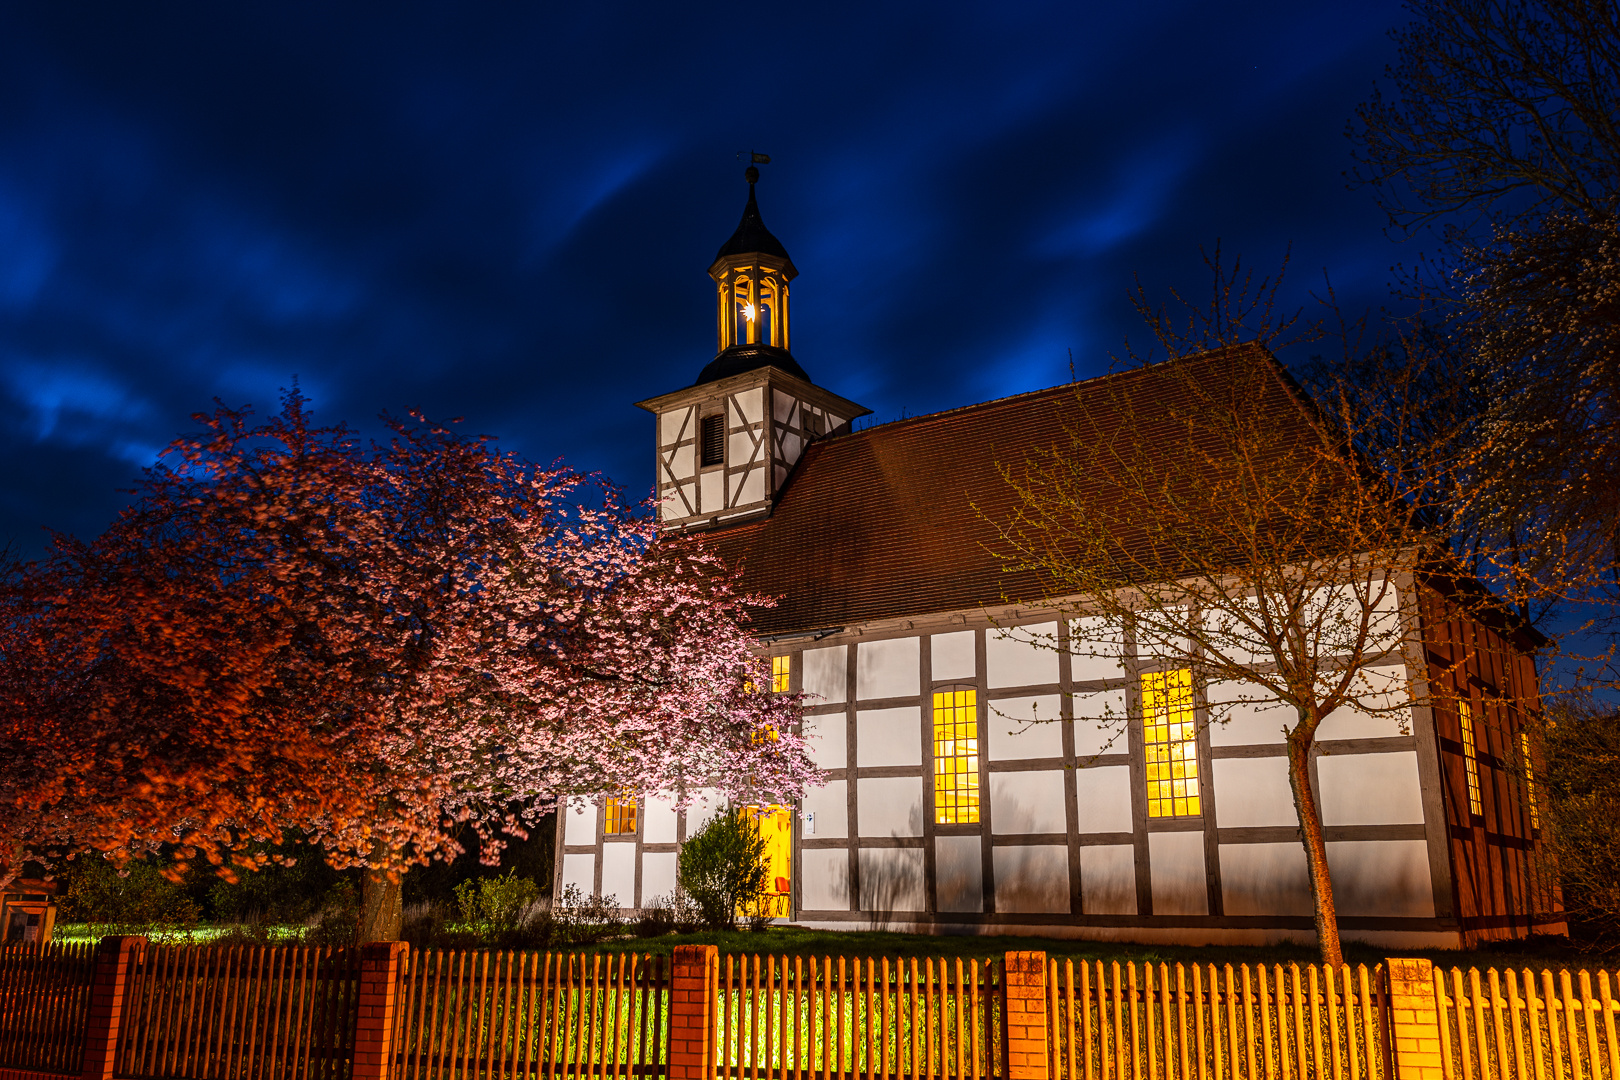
{"x": 45, "y": 1005}
{"x": 133, "y": 1011}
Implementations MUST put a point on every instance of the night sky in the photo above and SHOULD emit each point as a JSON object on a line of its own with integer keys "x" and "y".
{"x": 505, "y": 212}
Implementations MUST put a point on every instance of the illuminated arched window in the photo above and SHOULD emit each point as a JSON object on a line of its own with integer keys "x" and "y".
{"x": 1170, "y": 744}
{"x": 956, "y": 756}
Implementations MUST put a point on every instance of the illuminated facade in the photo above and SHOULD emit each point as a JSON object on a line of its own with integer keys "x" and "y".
{"x": 969, "y": 788}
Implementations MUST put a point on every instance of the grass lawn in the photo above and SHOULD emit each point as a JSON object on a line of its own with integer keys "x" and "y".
{"x": 793, "y": 941}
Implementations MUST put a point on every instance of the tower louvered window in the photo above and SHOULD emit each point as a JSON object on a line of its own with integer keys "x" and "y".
{"x": 712, "y": 439}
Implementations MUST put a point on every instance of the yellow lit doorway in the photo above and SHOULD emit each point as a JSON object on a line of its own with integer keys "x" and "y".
{"x": 775, "y": 824}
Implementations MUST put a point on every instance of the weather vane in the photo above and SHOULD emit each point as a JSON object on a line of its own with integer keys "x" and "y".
{"x": 755, "y": 158}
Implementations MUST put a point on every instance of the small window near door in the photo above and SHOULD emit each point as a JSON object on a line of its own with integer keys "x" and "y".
{"x": 713, "y": 440}
{"x": 621, "y": 817}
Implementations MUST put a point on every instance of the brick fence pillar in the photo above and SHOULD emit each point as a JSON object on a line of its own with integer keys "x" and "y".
{"x": 115, "y": 957}
{"x": 693, "y": 989}
{"x": 380, "y": 963}
{"x": 1023, "y": 988}
{"x": 1414, "y": 1020}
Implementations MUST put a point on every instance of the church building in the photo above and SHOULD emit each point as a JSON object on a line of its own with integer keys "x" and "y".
{"x": 946, "y": 809}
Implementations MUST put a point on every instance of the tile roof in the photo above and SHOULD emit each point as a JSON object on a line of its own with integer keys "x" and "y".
{"x": 900, "y": 519}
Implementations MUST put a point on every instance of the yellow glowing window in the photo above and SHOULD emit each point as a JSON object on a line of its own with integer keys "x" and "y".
{"x": 621, "y": 817}
{"x": 956, "y": 757}
{"x": 1529, "y": 780}
{"x": 781, "y": 669}
{"x": 1465, "y": 720}
{"x": 1170, "y": 740}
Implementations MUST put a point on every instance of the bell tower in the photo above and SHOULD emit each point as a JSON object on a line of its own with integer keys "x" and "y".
{"x": 727, "y": 443}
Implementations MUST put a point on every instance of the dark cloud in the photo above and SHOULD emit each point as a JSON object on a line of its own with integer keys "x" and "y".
{"x": 506, "y": 214}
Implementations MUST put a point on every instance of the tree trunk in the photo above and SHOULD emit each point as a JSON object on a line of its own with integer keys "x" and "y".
{"x": 381, "y": 909}
{"x": 1310, "y": 831}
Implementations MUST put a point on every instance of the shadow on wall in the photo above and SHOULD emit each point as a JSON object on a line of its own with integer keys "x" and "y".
{"x": 890, "y": 880}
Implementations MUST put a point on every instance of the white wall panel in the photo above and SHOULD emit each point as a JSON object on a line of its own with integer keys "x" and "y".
{"x": 825, "y": 881}
{"x": 889, "y": 806}
{"x": 657, "y": 875}
{"x": 753, "y": 404}
{"x": 581, "y": 822}
{"x": 1229, "y": 633}
{"x": 1095, "y": 648}
{"x": 886, "y": 669}
{"x": 739, "y": 449}
{"x": 953, "y": 656}
{"x": 830, "y": 804}
{"x": 1180, "y": 882}
{"x": 1370, "y": 789}
{"x": 888, "y": 737}
{"x": 1103, "y": 793}
{"x": 825, "y": 677}
{"x": 580, "y": 872}
{"x": 827, "y": 735}
{"x": 658, "y": 820}
{"x": 1099, "y": 724}
{"x": 1026, "y": 802}
{"x": 892, "y": 880}
{"x": 711, "y": 492}
{"x": 1265, "y": 879}
{"x": 619, "y": 873}
{"x": 1025, "y": 727}
{"x": 1381, "y": 877}
{"x": 1032, "y": 879}
{"x": 1378, "y": 688}
{"x": 782, "y": 406}
{"x": 1253, "y": 792}
{"x": 959, "y": 873}
{"x": 1108, "y": 880}
{"x": 683, "y": 463}
{"x": 1022, "y": 655}
{"x": 670, "y": 424}
{"x": 753, "y": 486}
{"x": 704, "y": 805}
{"x": 1239, "y": 718}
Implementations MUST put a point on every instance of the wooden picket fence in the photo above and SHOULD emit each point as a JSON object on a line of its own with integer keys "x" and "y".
{"x": 238, "y": 1013}
{"x": 44, "y": 1005}
{"x": 230, "y": 1013}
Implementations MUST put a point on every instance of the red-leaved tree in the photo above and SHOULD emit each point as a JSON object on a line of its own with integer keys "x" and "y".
{"x": 291, "y": 630}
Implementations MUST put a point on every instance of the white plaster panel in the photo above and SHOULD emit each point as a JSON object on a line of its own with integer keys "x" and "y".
{"x": 1021, "y": 655}
{"x": 1164, "y": 646}
{"x": 670, "y": 507}
{"x": 782, "y": 406}
{"x": 1026, "y": 728}
{"x": 830, "y": 804}
{"x": 619, "y": 873}
{"x": 711, "y": 492}
{"x": 888, "y": 737}
{"x": 580, "y": 872}
{"x": 683, "y": 462}
{"x": 791, "y": 445}
{"x": 889, "y": 806}
{"x": 1340, "y": 610}
{"x": 657, "y": 875}
{"x": 581, "y": 827}
{"x": 1103, "y": 793}
{"x": 952, "y": 656}
{"x": 1370, "y": 789}
{"x": 1265, "y": 879}
{"x": 705, "y": 804}
{"x": 892, "y": 880}
{"x": 1099, "y": 724}
{"x": 1381, "y": 877}
{"x": 753, "y": 486}
{"x": 1238, "y": 716}
{"x": 1027, "y": 802}
{"x": 658, "y": 820}
{"x": 1108, "y": 880}
{"x": 959, "y": 873}
{"x": 834, "y": 422}
{"x": 753, "y": 404}
{"x": 1031, "y": 879}
{"x": 825, "y": 675}
{"x": 886, "y": 669}
{"x": 1253, "y": 793}
{"x": 670, "y": 425}
{"x": 690, "y": 491}
{"x": 1180, "y": 882}
{"x": 825, "y": 882}
{"x": 1095, "y": 648}
{"x": 1378, "y": 688}
{"x": 1228, "y": 633}
{"x": 827, "y": 735}
{"x": 739, "y": 449}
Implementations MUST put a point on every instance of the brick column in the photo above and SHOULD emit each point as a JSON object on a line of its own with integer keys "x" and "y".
{"x": 1023, "y": 989}
{"x": 380, "y": 963}
{"x": 1414, "y": 1020}
{"x": 115, "y": 956}
{"x": 693, "y": 990}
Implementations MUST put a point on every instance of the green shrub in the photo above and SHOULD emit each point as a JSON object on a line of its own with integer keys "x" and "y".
{"x": 497, "y": 903}
{"x": 136, "y": 900}
{"x": 723, "y": 869}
